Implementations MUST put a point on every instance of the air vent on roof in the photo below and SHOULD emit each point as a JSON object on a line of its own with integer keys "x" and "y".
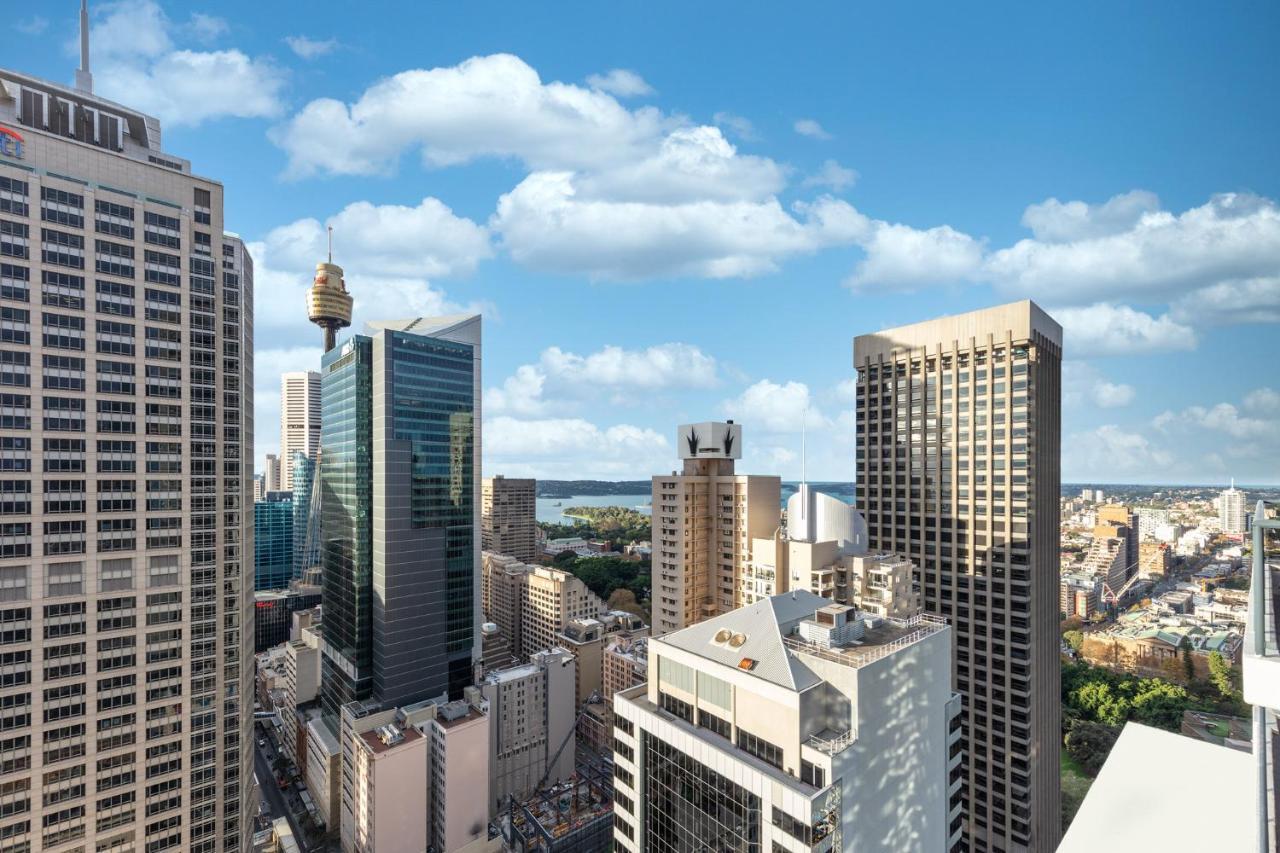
{"x": 737, "y": 640}
{"x": 723, "y": 635}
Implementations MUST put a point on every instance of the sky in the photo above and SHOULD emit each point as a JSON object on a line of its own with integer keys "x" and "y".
{"x": 680, "y": 212}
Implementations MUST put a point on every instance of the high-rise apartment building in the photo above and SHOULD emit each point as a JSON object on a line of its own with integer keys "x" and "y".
{"x": 704, "y": 518}
{"x": 958, "y": 440}
{"x": 299, "y": 421}
{"x": 1117, "y": 521}
{"x": 508, "y": 517}
{"x": 790, "y": 724}
{"x": 271, "y": 476}
{"x": 531, "y": 605}
{"x": 126, "y": 441}
{"x": 1231, "y": 512}
{"x": 400, "y": 549}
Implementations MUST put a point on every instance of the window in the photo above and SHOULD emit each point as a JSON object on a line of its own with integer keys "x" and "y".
{"x": 759, "y": 747}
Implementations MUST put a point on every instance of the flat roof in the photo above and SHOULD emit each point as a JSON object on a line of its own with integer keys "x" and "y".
{"x": 408, "y": 735}
{"x": 1128, "y": 807}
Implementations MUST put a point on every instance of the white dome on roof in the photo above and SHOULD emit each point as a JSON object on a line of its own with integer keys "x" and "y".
{"x": 818, "y": 517}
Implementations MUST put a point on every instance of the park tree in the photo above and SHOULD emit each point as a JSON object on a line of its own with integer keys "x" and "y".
{"x": 1074, "y": 639}
{"x": 1223, "y": 675}
{"x": 1089, "y": 744}
{"x": 1188, "y": 665}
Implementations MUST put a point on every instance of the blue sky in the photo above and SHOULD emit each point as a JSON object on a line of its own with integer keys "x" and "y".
{"x": 672, "y": 212}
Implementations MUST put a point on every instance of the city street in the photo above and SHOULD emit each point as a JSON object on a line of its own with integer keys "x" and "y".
{"x": 272, "y": 795}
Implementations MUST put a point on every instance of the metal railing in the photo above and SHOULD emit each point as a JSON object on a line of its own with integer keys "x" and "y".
{"x": 832, "y": 746}
{"x": 924, "y": 625}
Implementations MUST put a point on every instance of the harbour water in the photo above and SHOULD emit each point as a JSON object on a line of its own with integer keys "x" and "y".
{"x": 551, "y": 510}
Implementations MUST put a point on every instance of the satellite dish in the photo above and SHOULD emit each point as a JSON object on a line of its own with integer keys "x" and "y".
{"x": 737, "y": 640}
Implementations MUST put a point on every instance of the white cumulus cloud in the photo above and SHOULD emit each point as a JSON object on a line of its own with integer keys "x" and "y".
{"x": 774, "y": 407}
{"x": 136, "y": 60}
{"x": 560, "y": 376}
{"x": 573, "y": 448}
{"x": 1108, "y": 329}
{"x": 833, "y": 176}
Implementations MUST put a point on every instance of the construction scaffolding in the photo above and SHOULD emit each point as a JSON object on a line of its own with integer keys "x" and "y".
{"x": 575, "y": 816}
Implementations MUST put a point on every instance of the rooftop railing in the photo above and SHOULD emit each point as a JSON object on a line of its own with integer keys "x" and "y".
{"x": 918, "y": 627}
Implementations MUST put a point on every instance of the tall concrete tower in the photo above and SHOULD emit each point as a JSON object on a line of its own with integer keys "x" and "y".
{"x": 328, "y": 303}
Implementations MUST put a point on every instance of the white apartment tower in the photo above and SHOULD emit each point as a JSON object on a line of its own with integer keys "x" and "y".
{"x": 1231, "y": 512}
{"x": 299, "y": 420}
{"x": 126, "y": 443}
{"x": 792, "y": 724}
{"x": 704, "y": 518}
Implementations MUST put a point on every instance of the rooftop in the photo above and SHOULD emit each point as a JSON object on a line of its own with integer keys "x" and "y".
{"x": 762, "y": 633}
{"x": 377, "y": 741}
{"x": 1124, "y": 811}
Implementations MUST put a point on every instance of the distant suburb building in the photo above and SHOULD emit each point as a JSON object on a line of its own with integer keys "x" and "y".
{"x": 508, "y": 517}
{"x": 704, "y": 519}
{"x": 791, "y": 725}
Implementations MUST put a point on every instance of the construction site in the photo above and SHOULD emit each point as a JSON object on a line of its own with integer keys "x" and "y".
{"x": 575, "y": 816}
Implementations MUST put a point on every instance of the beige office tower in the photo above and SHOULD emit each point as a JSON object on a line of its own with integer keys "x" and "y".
{"x": 126, "y": 445}
{"x": 958, "y": 438}
{"x": 508, "y": 517}
{"x": 704, "y": 518}
{"x": 299, "y": 420}
{"x": 271, "y": 477}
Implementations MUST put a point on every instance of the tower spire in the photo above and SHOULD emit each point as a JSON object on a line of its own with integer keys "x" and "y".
{"x": 84, "y": 78}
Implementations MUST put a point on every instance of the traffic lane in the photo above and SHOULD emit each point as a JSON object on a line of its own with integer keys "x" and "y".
{"x": 275, "y": 797}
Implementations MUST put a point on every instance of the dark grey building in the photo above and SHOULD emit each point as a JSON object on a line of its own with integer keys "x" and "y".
{"x": 400, "y": 532}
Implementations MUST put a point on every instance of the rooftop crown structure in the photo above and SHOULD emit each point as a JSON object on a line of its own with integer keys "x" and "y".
{"x": 328, "y": 303}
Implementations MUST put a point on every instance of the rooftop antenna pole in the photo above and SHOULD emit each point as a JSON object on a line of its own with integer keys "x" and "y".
{"x": 804, "y": 421}
{"x": 330, "y": 244}
{"x": 84, "y": 79}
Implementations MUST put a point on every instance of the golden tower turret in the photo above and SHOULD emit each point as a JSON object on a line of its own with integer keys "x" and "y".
{"x": 328, "y": 303}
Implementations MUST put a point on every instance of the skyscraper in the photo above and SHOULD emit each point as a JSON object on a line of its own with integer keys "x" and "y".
{"x": 271, "y": 476}
{"x": 273, "y": 541}
{"x": 1231, "y": 510}
{"x": 508, "y": 517}
{"x": 306, "y": 516}
{"x": 704, "y": 519}
{"x": 958, "y": 436}
{"x": 299, "y": 421}
{"x": 126, "y": 316}
{"x": 400, "y": 547}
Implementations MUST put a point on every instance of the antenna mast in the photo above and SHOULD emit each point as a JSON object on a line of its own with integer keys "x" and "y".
{"x": 84, "y": 79}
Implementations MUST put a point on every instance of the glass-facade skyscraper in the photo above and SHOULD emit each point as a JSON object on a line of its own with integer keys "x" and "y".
{"x": 400, "y": 495}
{"x": 306, "y": 552}
{"x": 273, "y": 541}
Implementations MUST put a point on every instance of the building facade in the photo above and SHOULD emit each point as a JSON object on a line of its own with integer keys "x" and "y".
{"x": 704, "y": 519}
{"x": 126, "y": 351}
{"x": 958, "y": 441}
{"x": 272, "y": 479}
{"x": 508, "y": 517}
{"x": 790, "y": 724}
{"x": 400, "y": 531}
{"x": 273, "y": 541}
{"x": 1231, "y": 511}
{"x": 532, "y": 715}
{"x": 299, "y": 421}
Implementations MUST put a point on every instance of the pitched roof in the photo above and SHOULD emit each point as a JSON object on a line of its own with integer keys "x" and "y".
{"x": 764, "y": 624}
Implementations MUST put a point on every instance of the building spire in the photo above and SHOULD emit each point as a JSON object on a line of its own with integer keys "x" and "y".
{"x": 804, "y": 420}
{"x": 84, "y": 78}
